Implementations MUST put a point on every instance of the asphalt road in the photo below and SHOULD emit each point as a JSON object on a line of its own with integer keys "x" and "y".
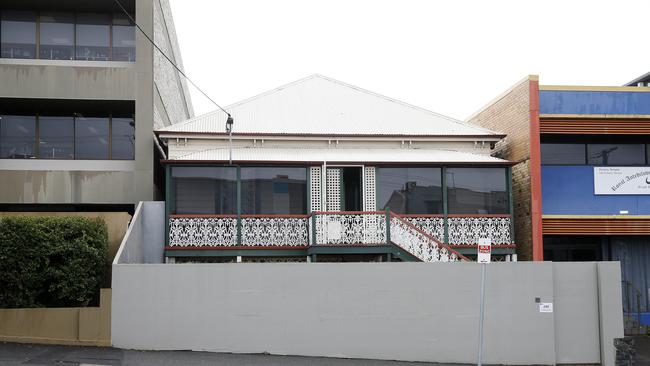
{"x": 31, "y": 354}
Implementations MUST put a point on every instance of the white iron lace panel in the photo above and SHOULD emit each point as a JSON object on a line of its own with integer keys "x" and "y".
{"x": 315, "y": 188}
{"x": 369, "y": 189}
{"x": 333, "y": 189}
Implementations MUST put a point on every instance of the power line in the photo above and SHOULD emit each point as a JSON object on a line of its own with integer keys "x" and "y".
{"x": 168, "y": 59}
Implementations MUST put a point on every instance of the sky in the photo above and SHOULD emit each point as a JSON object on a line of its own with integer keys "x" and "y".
{"x": 451, "y": 57}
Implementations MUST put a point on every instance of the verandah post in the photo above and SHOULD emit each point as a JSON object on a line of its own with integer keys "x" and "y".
{"x": 387, "y": 225}
{"x": 313, "y": 228}
{"x": 445, "y": 206}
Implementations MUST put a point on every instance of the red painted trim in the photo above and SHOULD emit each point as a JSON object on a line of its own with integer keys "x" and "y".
{"x": 479, "y": 215}
{"x": 454, "y": 215}
{"x": 189, "y": 216}
{"x": 349, "y": 212}
{"x": 421, "y": 215}
{"x": 241, "y": 247}
{"x": 275, "y": 216}
{"x": 535, "y": 173}
{"x": 242, "y": 216}
{"x": 493, "y": 246}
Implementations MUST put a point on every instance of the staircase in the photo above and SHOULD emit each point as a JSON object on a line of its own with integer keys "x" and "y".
{"x": 419, "y": 244}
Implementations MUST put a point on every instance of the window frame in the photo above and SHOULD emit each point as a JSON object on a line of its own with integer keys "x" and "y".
{"x": 111, "y": 20}
{"x": 378, "y": 186}
{"x": 74, "y": 116}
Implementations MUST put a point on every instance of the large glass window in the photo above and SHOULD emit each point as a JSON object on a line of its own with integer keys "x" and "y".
{"x": 123, "y": 38}
{"x": 17, "y": 136}
{"x": 410, "y": 190}
{"x": 91, "y": 138}
{"x": 477, "y": 191}
{"x": 616, "y": 154}
{"x": 205, "y": 190}
{"x": 18, "y": 34}
{"x": 93, "y": 37}
{"x": 274, "y": 190}
{"x": 56, "y": 137}
{"x": 56, "y": 36}
{"x": 563, "y": 154}
{"x": 123, "y": 142}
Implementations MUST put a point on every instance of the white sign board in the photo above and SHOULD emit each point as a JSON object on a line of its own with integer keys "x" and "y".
{"x": 621, "y": 180}
{"x": 546, "y": 307}
{"x": 484, "y": 250}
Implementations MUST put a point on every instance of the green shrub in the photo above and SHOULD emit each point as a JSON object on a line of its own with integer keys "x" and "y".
{"x": 51, "y": 261}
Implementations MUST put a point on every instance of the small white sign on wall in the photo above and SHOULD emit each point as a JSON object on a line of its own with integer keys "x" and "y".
{"x": 546, "y": 307}
{"x": 484, "y": 250}
{"x": 621, "y": 180}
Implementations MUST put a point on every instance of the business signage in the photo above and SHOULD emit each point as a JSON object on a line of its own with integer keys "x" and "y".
{"x": 621, "y": 180}
{"x": 484, "y": 250}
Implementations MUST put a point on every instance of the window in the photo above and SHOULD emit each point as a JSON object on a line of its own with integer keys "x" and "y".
{"x": 563, "y": 154}
{"x": 17, "y": 136}
{"x": 123, "y": 38}
{"x": 67, "y": 36}
{"x": 274, "y": 190}
{"x": 91, "y": 138}
{"x": 56, "y": 36}
{"x": 616, "y": 154}
{"x": 93, "y": 37}
{"x": 123, "y": 138}
{"x": 56, "y": 137}
{"x": 477, "y": 191}
{"x": 18, "y": 34}
{"x": 410, "y": 190}
{"x": 204, "y": 190}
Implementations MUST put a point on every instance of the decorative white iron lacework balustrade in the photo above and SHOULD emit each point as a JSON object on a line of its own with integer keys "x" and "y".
{"x": 432, "y": 225}
{"x": 275, "y": 231}
{"x": 420, "y": 244}
{"x": 349, "y": 228}
{"x": 201, "y": 231}
{"x": 467, "y": 230}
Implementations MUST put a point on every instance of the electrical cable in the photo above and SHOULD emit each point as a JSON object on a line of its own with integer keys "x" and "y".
{"x": 167, "y": 57}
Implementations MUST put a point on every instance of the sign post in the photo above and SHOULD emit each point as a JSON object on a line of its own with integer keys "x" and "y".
{"x": 484, "y": 257}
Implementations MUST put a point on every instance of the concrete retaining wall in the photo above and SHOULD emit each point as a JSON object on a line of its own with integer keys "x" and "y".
{"x": 403, "y": 311}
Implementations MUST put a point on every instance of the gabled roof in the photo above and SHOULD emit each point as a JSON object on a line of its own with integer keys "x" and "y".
{"x": 318, "y": 105}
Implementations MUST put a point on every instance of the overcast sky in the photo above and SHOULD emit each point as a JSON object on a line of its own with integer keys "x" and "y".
{"x": 451, "y": 57}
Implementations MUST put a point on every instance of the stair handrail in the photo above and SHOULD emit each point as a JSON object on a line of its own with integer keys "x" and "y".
{"x": 439, "y": 244}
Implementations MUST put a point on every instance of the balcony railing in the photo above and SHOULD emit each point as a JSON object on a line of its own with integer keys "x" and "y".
{"x": 423, "y": 236}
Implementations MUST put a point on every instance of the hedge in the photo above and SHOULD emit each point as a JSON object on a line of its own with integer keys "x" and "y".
{"x": 54, "y": 261}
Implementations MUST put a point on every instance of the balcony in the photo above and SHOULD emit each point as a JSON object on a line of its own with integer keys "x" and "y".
{"x": 421, "y": 237}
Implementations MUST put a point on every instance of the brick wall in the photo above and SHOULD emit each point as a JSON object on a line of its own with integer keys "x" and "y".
{"x": 510, "y": 114}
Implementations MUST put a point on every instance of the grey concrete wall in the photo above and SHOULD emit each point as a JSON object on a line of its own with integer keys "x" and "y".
{"x": 56, "y": 79}
{"x": 610, "y": 308}
{"x": 145, "y": 237}
{"x": 576, "y": 299}
{"x": 404, "y": 311}
{"x": 100, "y": 181}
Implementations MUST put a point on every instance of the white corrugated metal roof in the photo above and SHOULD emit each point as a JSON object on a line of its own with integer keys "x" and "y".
{"x": 361, "y": 155}
{"x": 318, "y": 105}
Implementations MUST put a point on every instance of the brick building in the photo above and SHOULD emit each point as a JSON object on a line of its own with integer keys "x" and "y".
{"x": 581, "y": 179}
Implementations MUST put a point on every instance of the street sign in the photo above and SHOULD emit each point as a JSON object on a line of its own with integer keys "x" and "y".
{"x": 484, "y": 250}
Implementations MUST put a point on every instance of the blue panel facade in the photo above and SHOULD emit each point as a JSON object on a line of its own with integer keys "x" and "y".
{"x": 569, "y": 190}
{"x": 593, "y": 102}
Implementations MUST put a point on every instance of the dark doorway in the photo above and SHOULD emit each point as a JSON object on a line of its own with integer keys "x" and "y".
{"x": 573, "y": 248}
{"x": 351, "y": 189}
